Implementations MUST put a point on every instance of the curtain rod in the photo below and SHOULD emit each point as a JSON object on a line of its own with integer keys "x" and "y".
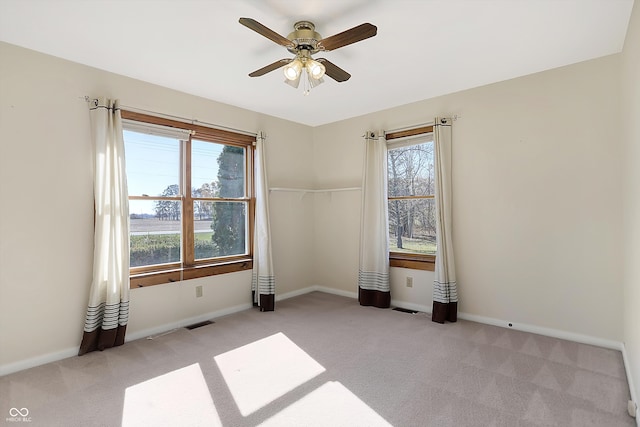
{"x": 178, "y": 118}
{"x": 370, "y": 134}
{"x": 374, "y": 134}
{"x": 419, "y": 125}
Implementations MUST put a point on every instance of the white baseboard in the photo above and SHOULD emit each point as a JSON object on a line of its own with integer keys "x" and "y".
{"x": 219, "y": 313}
{"x": 585, "y": 339}
{"x": 411, "y": 306}
{"x": 316, "y": 288}
{"x": 632, "y": 388}
{"x": 63, "y": 354}
{"x": 334, "y": 291}
{"x": 549, "y": 332}
{"x": 296, "y": 293}
{"x": 394, "y": 302}
{"x": 185, "y": 322}
{"x": 20, "y": 365}
{"x": 131, "y": 336}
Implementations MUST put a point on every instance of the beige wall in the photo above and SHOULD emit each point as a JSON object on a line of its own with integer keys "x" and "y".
{"x": 536, "y": 204}
{"x": 631, "y": 138}
{"x": 46, "y": 220}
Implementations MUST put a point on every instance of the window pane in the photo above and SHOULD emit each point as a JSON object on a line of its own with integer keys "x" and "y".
{"x": 412, "y": 226}
{"x": 219, "y": 229}
{"x": 411, "y": 170}
{"x": 217, "y": 170}
{"x": 154, "y": 238}
{"x": 153, "y": 164}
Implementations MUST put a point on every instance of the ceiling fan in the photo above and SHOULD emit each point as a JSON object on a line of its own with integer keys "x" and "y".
{"x": 304, "y": 42}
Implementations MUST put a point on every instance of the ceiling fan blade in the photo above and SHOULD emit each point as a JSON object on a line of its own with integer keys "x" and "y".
{"x": 268, "y": 33}
{"x": 274, "y": 66}
{"x": 333, "y": 71}
{"x": 355, "y": 34}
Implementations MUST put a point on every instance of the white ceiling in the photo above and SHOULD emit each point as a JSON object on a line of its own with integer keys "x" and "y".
{"x": 424, "y": 48}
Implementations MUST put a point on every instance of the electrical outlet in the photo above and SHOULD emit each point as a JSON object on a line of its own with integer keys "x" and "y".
{"x": 198, "y": 291}
{"x": 409, "y": 282}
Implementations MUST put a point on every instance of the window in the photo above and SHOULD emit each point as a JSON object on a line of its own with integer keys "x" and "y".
{"x": 190, "y": 199}
{"x": 412, "y": 213}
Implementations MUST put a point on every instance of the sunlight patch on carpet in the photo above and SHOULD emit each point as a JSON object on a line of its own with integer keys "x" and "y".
{"x": 178, "y": 398}
{"x": 264, "y": 370}
{"x": 331, "y": 404}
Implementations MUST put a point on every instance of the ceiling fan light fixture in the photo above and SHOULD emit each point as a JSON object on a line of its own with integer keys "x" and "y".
{"x": 315, "y": 69}
{"x": 315, "y": 82}
{"x": 293, "y": 69}
{"x": 294, "y": 83}
{"x": 303, "y": 42}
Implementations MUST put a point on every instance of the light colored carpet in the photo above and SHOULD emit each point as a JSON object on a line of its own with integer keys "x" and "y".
{"x": 323, "y": 360}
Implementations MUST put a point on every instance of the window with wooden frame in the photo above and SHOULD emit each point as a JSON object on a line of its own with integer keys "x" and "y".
{"x": 191, "y": 200}
{"x": 411, "y": 203}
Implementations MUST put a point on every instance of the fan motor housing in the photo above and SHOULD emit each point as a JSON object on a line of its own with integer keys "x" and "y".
{"x": 304, "y": 37}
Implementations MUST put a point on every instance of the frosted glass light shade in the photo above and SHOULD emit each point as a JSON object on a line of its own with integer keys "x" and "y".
{"x": 316, "y": 70}
{"x": 292, "y": 69}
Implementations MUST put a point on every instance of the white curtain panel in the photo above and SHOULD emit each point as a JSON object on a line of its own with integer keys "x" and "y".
{"x": 108, "y": 307}
{"x": 373, "y": 275}
{"x": 263, "y": 283}
{"x": 445, "y": 292}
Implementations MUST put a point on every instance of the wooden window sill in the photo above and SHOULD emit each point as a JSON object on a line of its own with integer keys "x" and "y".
{"x": 416, "y": 262}
{"x": 145, "y": 279}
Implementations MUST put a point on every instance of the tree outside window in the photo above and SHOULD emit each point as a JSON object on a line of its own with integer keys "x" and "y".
{"x": 412, "y": 219}
{"x": 189, "y": 200}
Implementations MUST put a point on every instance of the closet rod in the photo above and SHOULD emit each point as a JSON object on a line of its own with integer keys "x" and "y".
{"x": 307, "y": 190}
